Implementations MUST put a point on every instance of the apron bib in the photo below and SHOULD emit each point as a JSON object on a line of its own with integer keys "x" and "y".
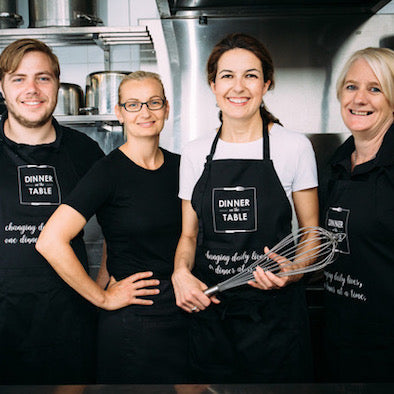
{"x": 242, "y": 207}
{"x": 46, "y": 329}
{"x": 358, "y": 284}
{"x": 33, "y": 183}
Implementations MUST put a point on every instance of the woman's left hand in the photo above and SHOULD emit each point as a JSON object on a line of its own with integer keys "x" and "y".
{"x": 129, "y": 290}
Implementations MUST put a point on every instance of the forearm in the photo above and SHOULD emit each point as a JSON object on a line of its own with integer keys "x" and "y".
{"x": 103, "y": 275}
{"x": 62, "y": 258}
{"x": 189, "y": 290}
{"x": 54, "y": 244}
{"x": 185, "y": 253}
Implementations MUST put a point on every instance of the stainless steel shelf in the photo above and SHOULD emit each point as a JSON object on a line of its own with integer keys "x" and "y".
{"x": 101, "y": 122}
{"x": 95, "y": 35}
{"x": 84, "y": 119}
{"x": 104, "y": 37}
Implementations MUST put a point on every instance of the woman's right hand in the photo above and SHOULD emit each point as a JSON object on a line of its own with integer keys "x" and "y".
{"x": 129, "y": 290}
{"x": 189, "y": 291}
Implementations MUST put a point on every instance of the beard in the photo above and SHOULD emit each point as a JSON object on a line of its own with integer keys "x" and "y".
{"x": 31, "y": 124}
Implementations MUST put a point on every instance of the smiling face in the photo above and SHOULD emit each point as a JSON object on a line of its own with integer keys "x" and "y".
{"x": 239, "y": 85}
{"x": 364, "y": 107}
{"x": 144, "y": 123}
{"x": 31, "y": 91}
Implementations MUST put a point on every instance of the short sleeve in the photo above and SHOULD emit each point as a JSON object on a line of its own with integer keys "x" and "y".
{"x": 93, "y": 190}
{"x": 187, "y": 179}
{"x": 83, "y": 150}
{"x": 305, "y": 176}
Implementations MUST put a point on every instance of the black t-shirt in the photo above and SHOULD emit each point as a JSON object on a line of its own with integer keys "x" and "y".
{"x": 34, "y": 180}
{"x": 138, "y": 209}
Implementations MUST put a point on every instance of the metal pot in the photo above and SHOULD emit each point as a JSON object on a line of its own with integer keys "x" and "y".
{"x": 102, "y": 90}
{"x": 47, "y": 13}
{"x": 69, "y": 99}
{"x": 8, "y": 16}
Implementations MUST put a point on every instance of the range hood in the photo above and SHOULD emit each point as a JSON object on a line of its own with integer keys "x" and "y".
{"x": 223, "y": 8}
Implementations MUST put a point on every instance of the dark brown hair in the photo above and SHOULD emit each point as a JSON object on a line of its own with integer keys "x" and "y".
{"x": 244, "y": 41}
{"x": 13, "y": 54}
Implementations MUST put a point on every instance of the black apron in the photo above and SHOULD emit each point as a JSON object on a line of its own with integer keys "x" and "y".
{"x": 252, "y": 335}
{"x": 46, "y": 328}
{"x": 144, "y": 345}
{"x": 359, "y": 339}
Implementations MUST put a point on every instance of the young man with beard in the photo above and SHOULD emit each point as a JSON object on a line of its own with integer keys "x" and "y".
{"x": 46, "y": 329}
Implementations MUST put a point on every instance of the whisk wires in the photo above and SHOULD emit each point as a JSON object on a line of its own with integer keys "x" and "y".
{"x": 309, "y": 249}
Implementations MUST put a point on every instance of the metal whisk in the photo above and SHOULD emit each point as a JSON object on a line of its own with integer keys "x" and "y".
{"x": 307, "y": 250}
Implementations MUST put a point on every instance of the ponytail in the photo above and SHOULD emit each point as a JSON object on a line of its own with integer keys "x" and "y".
{"x": 267, "y": 116}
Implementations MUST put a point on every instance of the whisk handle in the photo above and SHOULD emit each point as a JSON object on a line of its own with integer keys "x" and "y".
{"x": 212, "y": 291}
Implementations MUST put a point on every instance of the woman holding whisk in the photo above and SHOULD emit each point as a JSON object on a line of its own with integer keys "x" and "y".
{"x": 360, "y": 203}
{"x": 236, "y": 185}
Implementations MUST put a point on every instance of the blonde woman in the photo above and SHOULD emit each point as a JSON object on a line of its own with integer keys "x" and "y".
{"x": 133, "y": 192}
{"x": 359, "y": 289}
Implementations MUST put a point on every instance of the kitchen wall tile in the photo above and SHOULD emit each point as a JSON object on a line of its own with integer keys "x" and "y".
{"x": 74, "y": 73}
{"x": 79, "y": 54}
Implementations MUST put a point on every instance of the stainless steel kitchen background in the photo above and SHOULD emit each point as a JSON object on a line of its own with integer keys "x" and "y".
{"x": 309, "y": 41}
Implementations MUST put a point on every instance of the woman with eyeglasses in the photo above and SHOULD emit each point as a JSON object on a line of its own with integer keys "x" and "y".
{"x": 133, "y": 192}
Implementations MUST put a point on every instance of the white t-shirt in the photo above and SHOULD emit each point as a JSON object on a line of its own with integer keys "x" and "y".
{"x": 291, "y": 152}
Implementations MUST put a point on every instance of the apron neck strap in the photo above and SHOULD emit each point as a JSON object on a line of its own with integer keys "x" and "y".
{"x": 214, "y": 144}
{"x": 266, "y": 142}
{"x": 266, "y": 145}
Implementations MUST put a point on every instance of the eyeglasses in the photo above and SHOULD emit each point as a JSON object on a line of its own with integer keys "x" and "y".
{"x": 135, "y": 106}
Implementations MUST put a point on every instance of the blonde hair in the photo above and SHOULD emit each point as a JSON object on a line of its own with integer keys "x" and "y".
{"x": 140, "y": 76}
{"x": 381, "y": 61}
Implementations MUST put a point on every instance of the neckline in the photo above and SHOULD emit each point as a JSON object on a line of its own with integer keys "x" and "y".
{"x": 140, "y": 167}
{"x": 265, "y": 142}
{"x": 241, "y": 143}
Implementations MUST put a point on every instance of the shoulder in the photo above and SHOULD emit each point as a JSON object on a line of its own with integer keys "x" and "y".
{"x": 385, "y": 155}
{"x": 170, "y": 157}
{"x": 195, "y": 153}
{"x": 114, "y": 160}
{"x": 294, "y": 158}
{"x": 289, "y": 137}
{"x": 108, "y": 164}
{"x": 202, "y": 143}
{"x": 343, "y": 151}
{"x": 80, "y": 143}
{"x": 199, "y": 148}
{"x": 82, "y": 150}
{"x": 290, "y": 148}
